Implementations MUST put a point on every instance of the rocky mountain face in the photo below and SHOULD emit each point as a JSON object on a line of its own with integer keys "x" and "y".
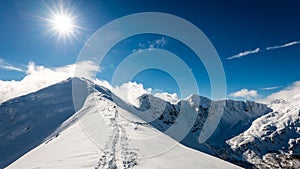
{"x": 273, "y": 140}
{"x": 236, "y": 118}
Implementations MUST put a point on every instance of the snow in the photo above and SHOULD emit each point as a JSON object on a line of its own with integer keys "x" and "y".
{"x": 26, "y": 121}
{"x": 108, "y": 133}
{"x": 199, "y": 122}
{"x": 71, "y": 149}
{"x": 273, "y": 139}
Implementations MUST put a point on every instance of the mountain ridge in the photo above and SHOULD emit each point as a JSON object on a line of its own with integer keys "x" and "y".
{"x": 238, "y": 117}
{"x": 100, "y": 119}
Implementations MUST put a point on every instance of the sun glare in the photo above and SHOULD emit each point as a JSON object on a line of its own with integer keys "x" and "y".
{"x": 63, "y": 24}
{"x": 62, "y": 21}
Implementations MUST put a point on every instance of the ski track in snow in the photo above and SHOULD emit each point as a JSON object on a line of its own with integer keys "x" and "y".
{"x": 116, "y": 153}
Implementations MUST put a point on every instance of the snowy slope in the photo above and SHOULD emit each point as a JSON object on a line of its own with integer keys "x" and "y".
{"x": 27, "y": 120}
{"x": 104, "y": 134}
{"x": 273, "y": 140}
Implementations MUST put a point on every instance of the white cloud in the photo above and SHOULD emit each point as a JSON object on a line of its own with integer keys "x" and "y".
{"x": 38, "y": 77}
{"x": 103, "y": 83}
{"x": 130, "y": 91}
{"x": 271, "y": 88}
{"x": 7, "y": 66}
{"x": 137, "y": 50}
{"x": 257, "y": 50}
{"x": 290, "y": 93}
{"x": 245, "y": 94}
{"x": 161, "y": 42}
{"x": 283, "y": 46}
{"x": 85, "y": 69}
{"x": 172, "y": 98}
{"x": 242, "y": 54}
{"x": 151, "y": 45}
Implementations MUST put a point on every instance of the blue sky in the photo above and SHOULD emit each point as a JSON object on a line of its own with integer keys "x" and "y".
{"x": 258, "y": 42}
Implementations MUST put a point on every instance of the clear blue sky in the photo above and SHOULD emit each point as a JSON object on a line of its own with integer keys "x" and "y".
{"x": 232, "y": 28}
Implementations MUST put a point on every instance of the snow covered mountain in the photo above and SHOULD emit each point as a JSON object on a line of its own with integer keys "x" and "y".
{"x": 236, "y": 118}
{"x": 104, "y": 133}
{"x": 273, "y": 140}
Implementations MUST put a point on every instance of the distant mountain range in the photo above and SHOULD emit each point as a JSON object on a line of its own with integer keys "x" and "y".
{"x": 44, "y": 130}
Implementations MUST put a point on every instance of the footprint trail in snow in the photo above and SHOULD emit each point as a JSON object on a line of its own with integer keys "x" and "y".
{"x": 116, "y": 153}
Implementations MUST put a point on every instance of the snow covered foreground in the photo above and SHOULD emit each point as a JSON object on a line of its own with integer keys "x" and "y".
{"x": 103, "y": 134}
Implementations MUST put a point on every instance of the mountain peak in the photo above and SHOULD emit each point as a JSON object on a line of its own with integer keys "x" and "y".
{"x": 197, "y": 100}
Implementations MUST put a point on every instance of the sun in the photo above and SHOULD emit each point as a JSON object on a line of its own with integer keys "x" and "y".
{"x": 62, "y": 21}
{"x": 63, "y": 24}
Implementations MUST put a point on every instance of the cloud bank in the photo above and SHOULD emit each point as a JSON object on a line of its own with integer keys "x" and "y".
{"x": 38, "y": 77}
{"x": 290, "y": 93}
{"x": 172, "y": 98}
{"x": 130, "y": 91}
